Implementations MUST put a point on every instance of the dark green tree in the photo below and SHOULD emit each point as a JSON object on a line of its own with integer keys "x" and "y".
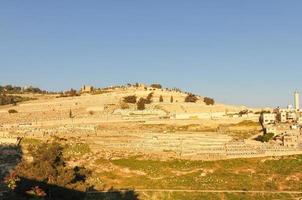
{"x": 161, "y": 99}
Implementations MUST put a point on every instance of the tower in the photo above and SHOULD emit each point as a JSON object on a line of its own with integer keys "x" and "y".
{"x": 297, "y": 101}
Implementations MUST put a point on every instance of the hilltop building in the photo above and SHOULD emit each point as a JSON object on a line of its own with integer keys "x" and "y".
{"x": 86, "y": 89}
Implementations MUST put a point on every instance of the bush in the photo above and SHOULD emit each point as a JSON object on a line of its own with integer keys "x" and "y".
{"x": 49, "y": 170}
{"x": 130, "y": 99}
{"x": 69, "y": 93}
{"x": 149, "y": 98}
{"x": 156, "y": 85}
{"x": 77, "y": 149}
{"x": 265, "y": 138}
{"x": 141, "y": 104}
{"x": 10, "y": 99}
{"x": 209, "y": 101}
{"x": 12, "y": 111}
{"x": 191, "y": 98}
{"x": 171, "y": 99}
{"x": 124, "y": 105}
{"x": 161, "y": 99}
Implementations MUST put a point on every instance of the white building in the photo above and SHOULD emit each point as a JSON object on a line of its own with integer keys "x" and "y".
{"x": 87, "y": 88}
{"x": 268, "y": 118}
{"x": 297, "y": 101}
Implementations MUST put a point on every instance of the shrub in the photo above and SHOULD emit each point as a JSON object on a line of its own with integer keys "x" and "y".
{"x": 161, "y": 99}
{"x": 191, "y": 98}
{"x": 171, "y": 99}
{"x": 209, "y": 101}
{"x": 70, "y": 114}
{"x": 49, "y": 169}
{"x": 141, "y": 104}
{"x": 12, "y": 111}
{"x": 130, "y": 99}
{"x": 265, "y": 138}
{"x": 77, "y": 149}
{"x": 156, "y": 85}
{"x": 10, "y": 99}
{"x": 149, "y": 98}
{"x": 124, "y": 105}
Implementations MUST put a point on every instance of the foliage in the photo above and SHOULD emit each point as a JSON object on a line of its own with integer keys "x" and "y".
{"x": 156, "y": 85}
{"x": 69, "y": 93}
{"x": 10, "y": 99}
{"x": 209, "y": 101}
{"x": 11, "y": 180}
{"x": 191, "y": 98}
{"x": 141, "y": 104}
{"x": 234, "y": 174}
{"x": 266, "y": 137}
{"x": 70, "y": 114}
{"x": 171, "y": 99}
{"x": 77, "y": 149}
{"x": 30, "y": 141}
{"x": 124, "y": 105}
{"x": 161, "y": 99}
{"x": 247, "y": 123}
{"x": 12, "y": 111}
{"x": 90, "y": 112}
{"x": 130, "y": 99}
{"x": 49, "y": 167}
{"x": 9, "y": 89}
{"x": 149, "y": 98}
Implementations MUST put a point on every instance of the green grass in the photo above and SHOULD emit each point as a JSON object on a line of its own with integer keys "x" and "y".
{"x": 31, "y": 141}
{"x": 235, "y": 174}
{"x": 247, "y": 123}
{"x": 77, "y": 149}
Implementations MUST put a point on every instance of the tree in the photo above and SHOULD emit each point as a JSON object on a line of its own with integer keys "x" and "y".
{"x": 12, "y": 111}
{"x": 191, "y": 98}
{"x": 266, "y": 137}
{"x": 130, "y": 99}
{"x": 149, "y": 98}
{"x": 171, "y": 99}
{"x": 72, "y": 92}
{"x": 124, "y": 105}
{"x": 156, "y": 85}
{"x": 70, "y": 114}
{"x": 209, "y": 101}
{"x": 141, "y": 104}
{"x": 49, "y": 168}
{"x": 161, "y": 99}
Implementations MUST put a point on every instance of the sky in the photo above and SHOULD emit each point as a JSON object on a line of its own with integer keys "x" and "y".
{"x": 238, "y": 52}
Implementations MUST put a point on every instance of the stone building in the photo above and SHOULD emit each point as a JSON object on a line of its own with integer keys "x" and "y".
{"x": 290, "y": 140}
{"x": 87, "y": 88}
{"x": 271, "y": 129}
{"x": 282, "y": 116}
{"x": 268, "y": 118}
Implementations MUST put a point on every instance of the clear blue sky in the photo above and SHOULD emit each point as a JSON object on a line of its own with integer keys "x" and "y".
{"x": 239, "y": 52}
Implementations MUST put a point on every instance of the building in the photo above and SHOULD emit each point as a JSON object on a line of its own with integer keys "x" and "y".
{"x": 290, "y": 140}
{"x": 87, "y": 88}
{"x": 297, "y": 101}
{"x": 271, "y": 129}
{"x": 291, "y": 116}
{"x": 299, "y": 120}
{"x": 268, "y": 118}
{"x": 281, "y": 115}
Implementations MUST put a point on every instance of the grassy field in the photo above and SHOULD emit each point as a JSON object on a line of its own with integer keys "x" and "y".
{"x": 257, "y": 174}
